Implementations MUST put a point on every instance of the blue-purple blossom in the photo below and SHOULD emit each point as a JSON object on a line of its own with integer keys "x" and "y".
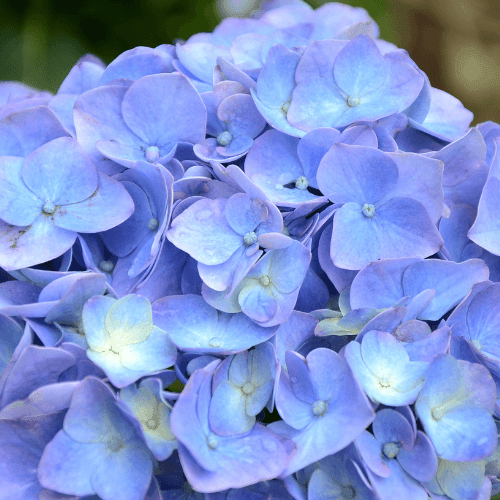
{"x": 123, "y": 340}
{"x": 44, "y": 207}
{"x": 455, "y": 407}
{"x": 212, "y": 462}
{"x": 97, "y": 432}
{"x": 384, "y": 370}
{"x": 239, "y": 207}
{"x": 315, "y": 410}
{"x": 387, "y": 198}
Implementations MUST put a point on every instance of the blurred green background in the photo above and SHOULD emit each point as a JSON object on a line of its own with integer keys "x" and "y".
{"x": 456, "y": 42}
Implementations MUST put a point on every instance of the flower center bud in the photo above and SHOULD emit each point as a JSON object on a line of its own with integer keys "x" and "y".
{"x": 437, "y": 413}
{"x": 319, "y": 407}
{"x": 152, "y": 424}
{"x": 115, "y": 444}
{"x": 368, "y": 210}
{"x": 249, "y": 239}
{"x": 248, "y": 388}
{"x": 353, "y": 101}
{"x": 224, "y": 138}
{"x": 49, "y": 208}
{"x": 152, "y": 224}
{"x": 477, "y": 344}
{"x": 152, "y": 154}
{"x": 214, "y": 342}
{"x": 265, "y": 280}
{"x": 212, "y": 442}
{"x": 391, "y": 450}
{"x": 302, "y": 183}
{"x": 285, "y": 107}
{"x": 106, "y": 265}
{"x": 384, "y": 383}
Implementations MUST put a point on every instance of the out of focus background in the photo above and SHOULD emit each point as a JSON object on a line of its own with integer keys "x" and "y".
{"x": 456, "y": 42}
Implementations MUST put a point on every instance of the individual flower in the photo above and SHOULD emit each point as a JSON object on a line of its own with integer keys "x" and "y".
{"x": 212, "y": 462}
{"x": 99, "y": 449}
{"x": 384, "y": 370}
{"x": 315, "y": 398}
{"x": 339, "y": 83}
{"x": 50, "y": 197}
{"x": 223, "y": 236}
{"x": 150, "y": 407}
{"x": 275, "y": 87}
{"x": 243, "y": 386}
{"x": 270, "y": 289}
{"x": 141, "y": 236}
{"x": 396, "y": 459}
{"x": 233, "y": 121}
{"x": 123, "y": 340}
{"x": 384, "y": 201}
{"x": 455, "y": 407}
{"x": 476, "y": 319}
{"x": 284, "y": 167}
{"x": 28, "y": 129}
{"x": 457, "y": 244}
{"x": 460, "y": 480}
{"x": 140, "y": 122}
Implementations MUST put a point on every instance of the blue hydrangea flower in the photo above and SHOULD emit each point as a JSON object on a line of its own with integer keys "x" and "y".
{"x": 61, "y": 303}
{"x": 16, "y": 96}
{"x": 384, "y": 370}
{"x": 485, "y": 229}
{"x": 140, "y": 238}
{"x": 384, "y": 202}
{"x": 455, "y": 407}
{"x": 340, "y": 82}
{"x": 123, "y": 340}
{"x": 223, "y": 234}
{"x": 243, "y": 386}
{"x": 476, "y": 319}
{"x": 148, "y": 404}
{"x": 395, "y": 458}
{"x": 460, "y": 481}
{"x": 233, "y": 121}
{"x": 44, "y": 207}
{"x": 317, "y": 411}
{"x": 275, "y": 87}
{"x": 212, "y": 462}
{"x": 98, "y": 451}
{"x": 140, "y": 122}
{"x": 269, "y": 291}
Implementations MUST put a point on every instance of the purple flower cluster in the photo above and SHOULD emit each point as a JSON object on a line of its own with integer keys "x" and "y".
{"x": 261, "y": 264}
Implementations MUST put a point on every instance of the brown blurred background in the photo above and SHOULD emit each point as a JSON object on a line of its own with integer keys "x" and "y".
{"x": 456, "y": 42}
